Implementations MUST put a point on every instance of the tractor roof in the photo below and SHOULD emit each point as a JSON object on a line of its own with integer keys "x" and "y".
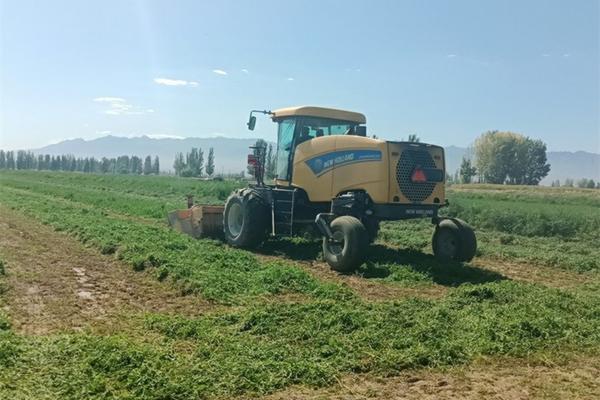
{"x": 322, "y": 112}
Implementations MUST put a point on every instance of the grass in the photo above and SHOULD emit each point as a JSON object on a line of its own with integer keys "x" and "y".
{"x": 516, "y": 215}
{"x": 7, "y": 347}
{"x": 406, "y": 266}
{"x": 219, "y": 273}
{"x": 546, "y": 226}
{"x": 259, "y": 344}
{"x": 263, "y": 348}
{"x": 162, "y": 189}
{"x": 540, "y": 226}
{"x": 535, "y": 194}
{"x": 577, "y": 255}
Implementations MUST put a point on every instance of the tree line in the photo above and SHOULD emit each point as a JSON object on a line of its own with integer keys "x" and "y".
{"x": 192, "y": 163}
{"x": 513, "y": 159}
{"x": 27, "y": 160}
{"x": 581, "y": 183}
{"x": 506, "y": 158}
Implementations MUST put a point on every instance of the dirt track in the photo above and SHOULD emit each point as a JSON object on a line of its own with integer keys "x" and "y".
{"x": 57, "y": 284}
{"x": 499, "y": 379}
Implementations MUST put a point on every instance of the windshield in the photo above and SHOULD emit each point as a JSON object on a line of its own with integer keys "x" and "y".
{"x": 312, "y": 127}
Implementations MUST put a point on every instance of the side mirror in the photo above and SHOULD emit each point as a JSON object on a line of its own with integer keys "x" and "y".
{"x": 251, "y": 122}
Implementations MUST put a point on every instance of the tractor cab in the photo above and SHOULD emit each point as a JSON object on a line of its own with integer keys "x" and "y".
{"x": 296, "y": 125}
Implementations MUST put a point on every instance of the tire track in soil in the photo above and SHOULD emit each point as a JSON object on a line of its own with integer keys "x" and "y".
{"x": 499, "y": 379}
{"x": 57, "y": 284}
{"x": 532, "y": 273}
{"x": 367, "y": 289}
{"x": 379, "y": 290}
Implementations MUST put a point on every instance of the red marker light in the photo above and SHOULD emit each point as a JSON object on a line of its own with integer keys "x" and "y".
{"x": 418, "y": 176}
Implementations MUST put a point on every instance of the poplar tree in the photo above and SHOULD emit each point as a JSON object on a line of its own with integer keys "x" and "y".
{"x": 147, "y": 165}
{"x": 210, "y": 163}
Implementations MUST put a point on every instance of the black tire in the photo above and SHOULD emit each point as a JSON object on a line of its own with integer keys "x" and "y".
{"x": 245, "y": 219}
{"x": 349, "y": 250}
{"x": 454, "y": 240}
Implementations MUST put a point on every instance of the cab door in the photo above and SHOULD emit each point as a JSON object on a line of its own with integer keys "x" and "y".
{"x": 285, "y": 140}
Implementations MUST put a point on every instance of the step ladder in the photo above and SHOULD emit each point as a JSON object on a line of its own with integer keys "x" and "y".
{"x": 282, "y": 212}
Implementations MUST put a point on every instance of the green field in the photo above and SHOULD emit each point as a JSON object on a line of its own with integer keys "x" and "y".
{"x": 277, "y": 318}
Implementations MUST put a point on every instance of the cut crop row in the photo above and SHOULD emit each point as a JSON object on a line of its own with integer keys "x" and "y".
{"x": 216, "y": 271}
{"x": 260, "y": 349}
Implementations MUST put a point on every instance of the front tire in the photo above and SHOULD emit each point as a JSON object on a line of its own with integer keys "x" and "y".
{"x": 348, "y": 248}
{"x": 245, "y": 219}
{"x": 454, "y": 240}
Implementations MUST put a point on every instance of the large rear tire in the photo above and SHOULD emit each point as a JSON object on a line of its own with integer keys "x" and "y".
{"x": 245, "y": 219}
{"x": 348, "y": 248}
{"x": 454, "y": 240}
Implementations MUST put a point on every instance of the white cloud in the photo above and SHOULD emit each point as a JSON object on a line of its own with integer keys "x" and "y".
{"x": 290, "y": 79}
{"x": 109, "y": 100}
{"x": 244, "y": 70}
{"x": 174, "y": 82}
{"x": 219, "y": 72}
{"x": 159, "y": 136}
{"x": 119, "y": 106}
{"x": 545, "y": 55}
{"x": 451, "y": 55}
{"x": 566, "y": 55}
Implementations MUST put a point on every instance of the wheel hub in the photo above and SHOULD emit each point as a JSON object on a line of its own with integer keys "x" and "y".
{"x": 448, "y": 244}
{"x": 235, "y": 219}
{"x": 337, "y": 242}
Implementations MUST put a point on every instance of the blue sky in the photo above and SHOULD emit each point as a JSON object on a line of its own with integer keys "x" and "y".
{"x": 446, "y": 70}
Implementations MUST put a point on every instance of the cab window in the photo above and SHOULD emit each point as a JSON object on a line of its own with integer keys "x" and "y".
{"x": 312, "y": 127}
{"x": 285, "y": 138}
{"x": 293, "y": 131}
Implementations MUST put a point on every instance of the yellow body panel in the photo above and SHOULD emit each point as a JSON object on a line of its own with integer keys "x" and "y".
{"x": 340, "y": 171}
{"x": 371, "y": 176}
{"x": 327, "y": 166}
{"x": 318, "y": 188}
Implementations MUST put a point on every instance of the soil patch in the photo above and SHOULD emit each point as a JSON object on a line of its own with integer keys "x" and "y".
{"x": 486, "y": 379}
{"x": 57, "y": 284}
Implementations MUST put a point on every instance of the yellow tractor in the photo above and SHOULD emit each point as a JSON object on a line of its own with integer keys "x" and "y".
{"x": 332, "y": 178}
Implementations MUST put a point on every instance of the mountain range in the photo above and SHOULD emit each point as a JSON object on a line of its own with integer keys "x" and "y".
{"x": 230, "y": 154}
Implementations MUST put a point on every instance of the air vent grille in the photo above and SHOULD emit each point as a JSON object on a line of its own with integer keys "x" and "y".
{"x": 409, "y": 160}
